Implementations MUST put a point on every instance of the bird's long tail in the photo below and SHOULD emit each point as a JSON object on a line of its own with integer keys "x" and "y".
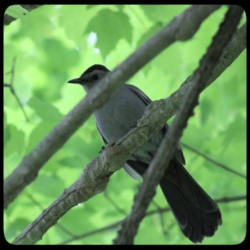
{"x": 196, "y": 213}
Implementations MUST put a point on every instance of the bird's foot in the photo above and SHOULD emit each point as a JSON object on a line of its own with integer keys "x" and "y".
{"x": 110, "y": 144}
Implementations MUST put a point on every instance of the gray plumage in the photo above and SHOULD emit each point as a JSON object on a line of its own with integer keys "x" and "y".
{"x": 196, "y": 213}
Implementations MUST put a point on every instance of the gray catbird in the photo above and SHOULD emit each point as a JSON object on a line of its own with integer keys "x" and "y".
{"x": 196, "y": 213}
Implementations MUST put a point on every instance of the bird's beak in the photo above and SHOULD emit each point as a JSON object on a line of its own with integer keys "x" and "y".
{"x": 76, "y": 80}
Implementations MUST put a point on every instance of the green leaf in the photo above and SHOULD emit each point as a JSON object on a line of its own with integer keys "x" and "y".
{"x": 58, "y": 57}
{"x": 90, "y": 6}
{"x": 67, "y": 20}
{"x": 44, "y": 110}
{"x": 120, "y": 7}
{"x": 38, "y": 25}
{"x": 116, "y": 23}
{"x": 48, "y": 185}
{"x": 206, "y": 107}
{"x": 150, "y": 32}
{"x": 6, "y": 134}
{"x": 15, "y": 139}
{"x": 71, "y": 162}
{"x": 163, "y": 13}
{"x": 236, "y": 131}
{"x": 16, "y": 11}
{"x": 6, "y": 129}
{"x": 38, "y": 133}
{"x": 15, "y": 227}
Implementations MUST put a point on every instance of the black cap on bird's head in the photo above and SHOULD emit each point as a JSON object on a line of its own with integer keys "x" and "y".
{"x": 87, "y": 72}
{"x": 90, "y": 76}
{"x": 95, "y": 67}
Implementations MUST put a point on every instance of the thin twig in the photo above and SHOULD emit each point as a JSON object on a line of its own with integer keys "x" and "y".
{"x": 113, "y": 203}
{"x": 159, "y": 211}
{"x": 161, "y": 218}
{"x": 111, "y": 226}
{"x": 12, "y": 90}
{"x": 12, "y": 72}
{"x": 229, "y": 199}
{"x": 213, "y": 161}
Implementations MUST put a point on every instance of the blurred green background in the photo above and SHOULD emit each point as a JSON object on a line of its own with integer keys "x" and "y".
{"x": 55, "y": 43}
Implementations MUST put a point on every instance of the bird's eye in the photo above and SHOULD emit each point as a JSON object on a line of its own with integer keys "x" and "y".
{"x": 95, "y": 77}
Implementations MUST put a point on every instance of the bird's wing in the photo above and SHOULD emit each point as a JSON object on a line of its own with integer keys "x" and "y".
{"x": 104, "y": 140}
{"x": 139, "y": 93}
{"x": 178, "y": 155}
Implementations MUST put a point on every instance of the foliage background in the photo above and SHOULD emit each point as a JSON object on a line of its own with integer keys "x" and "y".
{"x": 53, "y": 44}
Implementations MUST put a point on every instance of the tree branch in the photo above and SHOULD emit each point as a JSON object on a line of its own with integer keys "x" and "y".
{"x": 182, "y": 27}
{"x": 95, "y": 176}
{"x": 167, "y": 148}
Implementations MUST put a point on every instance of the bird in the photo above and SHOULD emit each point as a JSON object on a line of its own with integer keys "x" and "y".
{"x": 196, "y": 213}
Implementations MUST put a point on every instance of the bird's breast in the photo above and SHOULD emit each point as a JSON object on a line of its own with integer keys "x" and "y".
{"x": 115, "y": 118}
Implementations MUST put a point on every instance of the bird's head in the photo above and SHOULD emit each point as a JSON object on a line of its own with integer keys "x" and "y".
{"x": 90, "y": 76}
